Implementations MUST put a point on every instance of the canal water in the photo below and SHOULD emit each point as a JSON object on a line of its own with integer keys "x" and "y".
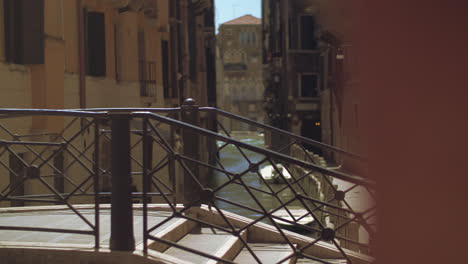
{"x": 233, "y": 161}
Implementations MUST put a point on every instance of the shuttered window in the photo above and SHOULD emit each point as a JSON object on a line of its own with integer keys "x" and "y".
{"x": 307, "y": 29}
{"x": 309, "y": 83}
{"x": 24, "y": 31}
{"x": 95, "y": 44}
{"x": 165, "y": 68}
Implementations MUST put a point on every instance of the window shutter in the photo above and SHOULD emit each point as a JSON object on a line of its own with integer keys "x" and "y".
{"x": 24, "y": 31}
{"x": 307, "y": 32}
{"x": 165, "y": 68}
{"x": 96, "y": 44}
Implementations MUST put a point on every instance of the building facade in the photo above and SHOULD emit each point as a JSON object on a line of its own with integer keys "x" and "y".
{"x": 106, "y": 53}
{"x": 73, "y": 54}
{"x": 239, "y": 67}
{"x": 308, "y": 60}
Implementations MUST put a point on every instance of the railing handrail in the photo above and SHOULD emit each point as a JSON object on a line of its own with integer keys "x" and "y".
{"x": 102, "y": 112}
{"x": 289, "y": 134}
{"x": 263, "y": 151}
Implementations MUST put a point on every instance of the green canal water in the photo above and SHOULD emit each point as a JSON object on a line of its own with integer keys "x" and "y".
{"x": 233, "y": 161}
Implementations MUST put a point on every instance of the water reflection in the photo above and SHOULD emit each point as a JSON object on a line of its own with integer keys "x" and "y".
{"x": 233, "y": 160}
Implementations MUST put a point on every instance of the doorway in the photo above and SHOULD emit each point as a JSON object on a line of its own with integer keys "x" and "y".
{"x": 312, "y": 128}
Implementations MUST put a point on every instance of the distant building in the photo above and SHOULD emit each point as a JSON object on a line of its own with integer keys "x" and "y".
{"x": 239, "y": 67}
{"x": 308, "y": 59}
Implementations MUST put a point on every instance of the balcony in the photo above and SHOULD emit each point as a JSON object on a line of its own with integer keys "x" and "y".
{"x": 147, "y": 74}
{"x": 306, "y": 60}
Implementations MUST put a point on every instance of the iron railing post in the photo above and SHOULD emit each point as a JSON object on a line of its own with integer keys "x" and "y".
{"x": 122, "y": 237}
{"x": 190, "y": 139}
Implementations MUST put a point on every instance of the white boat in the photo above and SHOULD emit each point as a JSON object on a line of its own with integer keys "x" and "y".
{"x": 272, "y": 176}
{"x": 301, "y": 217}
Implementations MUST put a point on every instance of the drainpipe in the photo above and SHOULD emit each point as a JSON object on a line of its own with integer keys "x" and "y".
{"x": 81, "y": 54}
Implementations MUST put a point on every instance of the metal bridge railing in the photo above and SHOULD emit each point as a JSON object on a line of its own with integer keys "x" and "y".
{"x": 179, "y": 156}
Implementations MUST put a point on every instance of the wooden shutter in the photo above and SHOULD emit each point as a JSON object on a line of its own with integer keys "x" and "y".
{"x": 307, "y": 32}
{"x": 96, "y": 44}
{"x": 165, "y": 68}
{"x": 24, "y": 31}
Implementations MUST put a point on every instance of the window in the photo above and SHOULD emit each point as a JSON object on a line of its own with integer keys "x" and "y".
{"x": 165, "y": 69}
{"x": 147, "y": 69}
{"x": 309, "y": 85}
{"x": 117, "y": 49}
{"x": 95, "y": 44}
{"x": 307, "y": 31}
{"x": 24, "y": 31}
{"x": 248, "y": 38}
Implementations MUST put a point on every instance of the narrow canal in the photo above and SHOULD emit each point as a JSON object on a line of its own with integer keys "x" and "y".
{"x": 233, "y": 161}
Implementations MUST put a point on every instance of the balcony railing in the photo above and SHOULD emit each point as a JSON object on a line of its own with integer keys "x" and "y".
{"x": 147, "y": 78}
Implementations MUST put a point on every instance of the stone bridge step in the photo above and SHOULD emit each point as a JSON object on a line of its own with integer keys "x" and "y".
{"x": 267, "y": 253}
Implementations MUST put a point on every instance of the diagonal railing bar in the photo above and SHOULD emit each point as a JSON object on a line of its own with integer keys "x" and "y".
{"x": 81, "y": 154}
{"x": 279, "y": 131}
{"x": 154, "y": 183}
{"x": 225, "y": 219}
{"x": 206, "y": 165}
{"x": 62, "y": 199}
{"x": 240, "y": 150}
{"x": 315, "y": 258}
{"x": 79, "y": 187}
{"x": 189, "y": 171}
{"x": 368, "y": 229}
{"x": 233, "y": 181}
{"x": 295, "y": 181}
{"x": 290, "y": 256}
{"x": 56, "y": 170}
{"x": 305, "y": 152}
{"x": 252, "y": 253}
{"x": 161, "y": 164}
{"x": 271, "y": 213}
{"x": 273, "y": 194}
{"x": 67, "y": 142}
{"x": 25, "y": 164}
{"x": 243, "y": 154}
{"x": 206, "y": 223}
{"x": 90, "y": 171}
{"x": 316, "y": 219}
{"x": 200, "y": 253}
{"x": 265, "y": 212}
{"x": 227, "y": 173}
{"x": 351, "y": 188}
{"x": 132, "y": 148}
{"x": 337, "y": 245}
{"x": 357, "y": 243}
{"x": 59, "y": 135}
{"x": 160, "y": 224}
{"x": 166, "y": 144}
